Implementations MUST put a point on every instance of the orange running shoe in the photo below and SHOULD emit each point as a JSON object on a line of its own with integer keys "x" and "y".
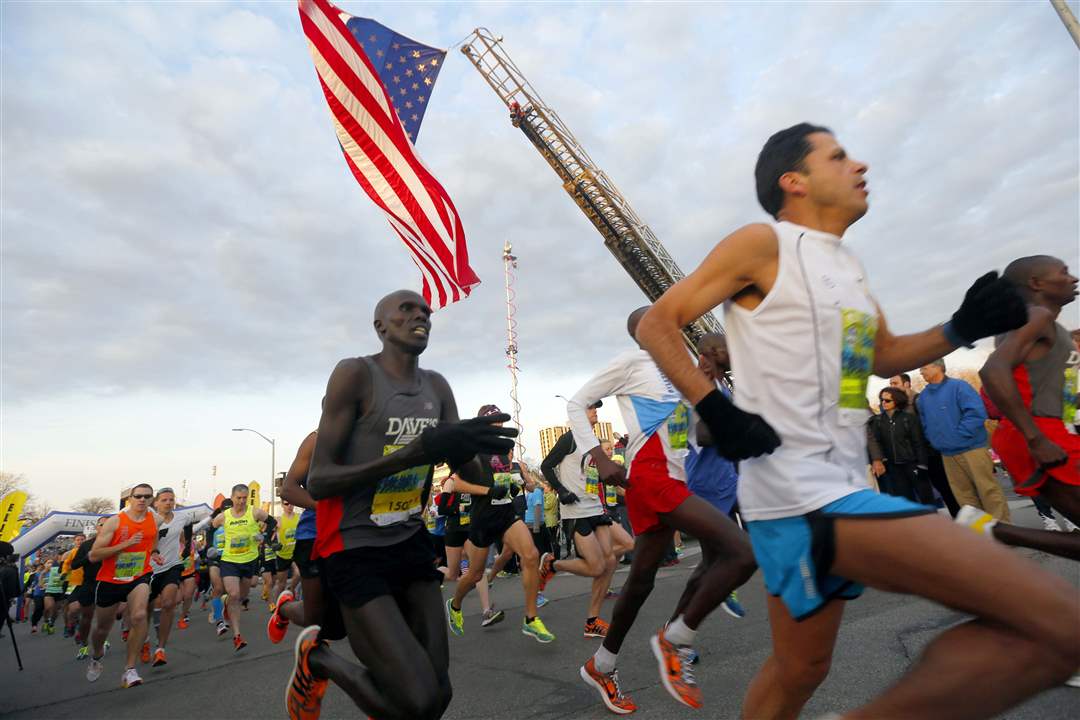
{"x": 183, "y": 622}
{"x": 145, "y": 655}
{"x": 304, "y": 693}
{"x": 238, "y": 643}
{"x": 159, "y": 657}
{"x": 596, "y": 628}
{"x": 547, "y": 570}
{"x": 278, "y": 624}
{"x": 607, "y": 684}
{"x": 676, "y": 670}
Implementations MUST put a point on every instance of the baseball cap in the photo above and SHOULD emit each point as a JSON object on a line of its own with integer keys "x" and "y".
{"x": 597, "y": 404}
{"x": 489, "y": 410}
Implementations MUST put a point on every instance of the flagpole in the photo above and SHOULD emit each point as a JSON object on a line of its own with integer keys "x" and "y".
{"x": 1068, "y": 19}
{"x": 509, "y": 264}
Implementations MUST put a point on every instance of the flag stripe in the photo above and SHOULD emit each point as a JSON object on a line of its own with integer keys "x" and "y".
{"x": 383, "y": 160}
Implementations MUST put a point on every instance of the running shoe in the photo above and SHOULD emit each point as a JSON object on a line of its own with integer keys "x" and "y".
{"x": 94, "y": 669}
{"x": 1069, "y": 526}
{"x": 454, "y": 619}
{"x": 266, "y": 594}
{"x": 130, "y": 678}
{"x": 505, "y": 574}
{"x": 145, "y": 654}
{"x": 304, "y": 693}
{"x": 541, "y": 600}
{"x": 547, "y": 569}
{"x": 607, "y": 684}
{"x": 222, "y": 628}
{"x": 124, "y": 635}
{"x": 733, "y": 607}
{"x": 1049, "y": 523}
{"x": 670, "y": 563}
{"x": 611, "y": 595}
{"x": 977, "y": 520}
{"x": 1074, "y": 681}
{"x": 278, "y": 624}
{"x": 238, "y": 643}
{"x": 50, "y": 629}
{"x": 106, "y": 647}
{"x": 159, "y": 658}
{"x": 33, "y": 629}
{"x": 536, "y": 630}
{"x": 492, "y": 616}
{"x": 675, "y": 671}
{"x": 679, "y": 550}
{"x": 596, "y": 628}
{"x": 68, "y": 632}
{"x": 83, "y": 654}
{"x": 244, "y": 603}
{"x": 184, "y": 622}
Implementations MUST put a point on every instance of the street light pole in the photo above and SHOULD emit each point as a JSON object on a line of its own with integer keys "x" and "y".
{"x": 273, "y": 466}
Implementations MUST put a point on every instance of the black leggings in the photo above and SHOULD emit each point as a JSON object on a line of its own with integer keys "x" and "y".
{"x": 39, "y": 610}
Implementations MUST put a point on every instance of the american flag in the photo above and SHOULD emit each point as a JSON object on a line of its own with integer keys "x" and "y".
{"x": 379, "y": 149}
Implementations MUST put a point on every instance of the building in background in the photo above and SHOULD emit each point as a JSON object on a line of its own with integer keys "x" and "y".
{"x": 550, "y": 435}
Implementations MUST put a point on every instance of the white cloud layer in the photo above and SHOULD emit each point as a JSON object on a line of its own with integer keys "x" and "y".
{"x": 180, "y": 231}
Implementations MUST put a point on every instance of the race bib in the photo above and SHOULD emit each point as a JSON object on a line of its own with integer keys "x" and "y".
{"x": 290, "y": 535}
{"x": 397, "y": 498}
{"x": 678, "y": 425}
{"x": 1069, "y": 401}
{"x": 857, "y": 333}
{"x": 592, "y": 480}
{"x": 129, "y": 565}
{"x": 610, "y": 496}
{"x": 464, "y": 507}
{"x": 503, "y": 479}
{"x": 239, "y": 544}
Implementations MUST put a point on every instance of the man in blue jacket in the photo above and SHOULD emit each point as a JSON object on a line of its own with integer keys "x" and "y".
{"x": 954, "y": 420}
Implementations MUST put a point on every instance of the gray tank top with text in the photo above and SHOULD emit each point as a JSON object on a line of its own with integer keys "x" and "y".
{"x": 389, "y": 511}
{"x": 1053, "y": 378}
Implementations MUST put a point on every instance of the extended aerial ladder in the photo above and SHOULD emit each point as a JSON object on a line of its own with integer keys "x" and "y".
{"x": 629, "y": 239}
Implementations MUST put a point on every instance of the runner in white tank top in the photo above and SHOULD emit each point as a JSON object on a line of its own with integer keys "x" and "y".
{"x": 804, "y": 334}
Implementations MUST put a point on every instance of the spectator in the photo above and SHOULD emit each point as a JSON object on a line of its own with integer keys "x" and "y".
{"x": 954, "y": 421}
{"x": 936, "y": 468}
{"x": 898, "y": 452}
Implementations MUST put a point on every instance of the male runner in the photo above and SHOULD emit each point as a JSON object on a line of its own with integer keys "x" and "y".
{"x": 215, "y": 547}
{"x": 74, "y": 580}
{"x": 188, "y": 579}
{"x": 492, "y": 518}
{"x": 267, "y": 565}
{"x": 165, "y": 583}
{"x": 577, "y": 482}
{"x": 84, "y": 593}
{"x": 240, "y": 558}
{"x": 658, "y": 503}
{"x": 804, "y": 334}
{"x": 125, "y": 546}
{"x": 386, "y": 422}
{"x": 286, "y": 546}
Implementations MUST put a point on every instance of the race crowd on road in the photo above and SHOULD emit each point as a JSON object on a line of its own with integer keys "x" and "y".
{"x": 788, "y": 472}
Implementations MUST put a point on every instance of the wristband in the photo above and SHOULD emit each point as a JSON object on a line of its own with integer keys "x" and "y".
{"x": 954, "y": 337}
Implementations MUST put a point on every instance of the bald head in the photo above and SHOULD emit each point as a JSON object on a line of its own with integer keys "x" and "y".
{"x": 1027, "y": 271}
{"x": 712, "y": 342}
{"x": 403, "y": 320}
{"x": 393, "y": 301}
{"x": 634, "y": 319}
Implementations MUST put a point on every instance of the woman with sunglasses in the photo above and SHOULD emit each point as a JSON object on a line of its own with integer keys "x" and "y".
{"x": 903, "y": 449}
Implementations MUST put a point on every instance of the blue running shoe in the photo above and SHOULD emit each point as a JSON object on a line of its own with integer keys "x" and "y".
{"x": 541, "y": 601}
{"x": 733, "y": 607}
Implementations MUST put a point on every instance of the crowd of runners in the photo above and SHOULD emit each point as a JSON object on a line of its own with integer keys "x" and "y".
{"x": 770, "y": 474}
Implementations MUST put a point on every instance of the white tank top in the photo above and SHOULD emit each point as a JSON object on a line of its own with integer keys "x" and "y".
{"x": 801, "y": 360}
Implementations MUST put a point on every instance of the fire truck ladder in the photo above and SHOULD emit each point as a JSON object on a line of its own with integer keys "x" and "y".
{"x": 629, "y": 239}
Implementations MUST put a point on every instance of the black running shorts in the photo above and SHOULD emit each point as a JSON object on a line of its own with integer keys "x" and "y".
{"x": 163, "y": 579}
{"x": 359, "y": 575}
{"x": 246, "y": 570}
{"x": 108, "y": 594}
{"x": 492, "y": 525}
{"x": 309, "y": 568}
{"x": 585, "y": 526}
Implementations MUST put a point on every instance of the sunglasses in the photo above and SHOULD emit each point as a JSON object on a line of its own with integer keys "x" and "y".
{"x": 142, "y": 497}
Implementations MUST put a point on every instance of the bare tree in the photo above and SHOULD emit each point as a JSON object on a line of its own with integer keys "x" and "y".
{"x": 95, "y": 505}
{"x": 10, "y": 482}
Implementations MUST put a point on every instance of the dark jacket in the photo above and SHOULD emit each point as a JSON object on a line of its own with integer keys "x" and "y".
{"x": 896, "y": 440}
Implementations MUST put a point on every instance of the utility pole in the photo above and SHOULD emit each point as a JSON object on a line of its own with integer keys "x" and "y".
{"x": 1068, "y": 19}
{"x": 509, "y": 264}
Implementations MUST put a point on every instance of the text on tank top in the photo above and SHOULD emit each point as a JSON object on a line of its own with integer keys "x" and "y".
{"x": 1053, "y": 379}
{"x": 133, "y": 562}
{"x": 389, "y": 511}
{"x": 239, "y": 536}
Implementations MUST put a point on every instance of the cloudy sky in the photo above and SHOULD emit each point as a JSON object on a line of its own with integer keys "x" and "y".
{"x": 184, "y": 250}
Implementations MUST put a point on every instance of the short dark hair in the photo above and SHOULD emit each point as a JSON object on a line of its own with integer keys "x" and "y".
{"x": 899, "y": 397}
{"x": 242, "y": 487}
{"x": 904, "y": 378}
{"x": 782, "y": 153}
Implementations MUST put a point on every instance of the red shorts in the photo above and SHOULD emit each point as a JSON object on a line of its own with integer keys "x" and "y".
{"x": 652, "y": 490}
{"x": 1009, "y": 443}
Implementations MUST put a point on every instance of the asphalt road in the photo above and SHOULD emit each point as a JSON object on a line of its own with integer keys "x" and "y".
{"x": 499, "y": 673}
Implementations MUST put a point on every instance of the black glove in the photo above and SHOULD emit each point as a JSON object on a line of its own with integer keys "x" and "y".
{"x": 736, "y": 434}
{"x": 567, "y": 498}
{"x": 457, "y": 442}
{"x": 498, "y": 492}
{"x": 515, "y": 490}
{"x": 991, "y": 306}
{"x": 275, "y": 546}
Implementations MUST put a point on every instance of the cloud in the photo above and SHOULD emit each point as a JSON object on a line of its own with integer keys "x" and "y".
{"x": 177, "y": 217}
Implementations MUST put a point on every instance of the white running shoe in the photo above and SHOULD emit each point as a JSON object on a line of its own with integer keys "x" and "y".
{"x": 1049, "y": 523}
{"x": 977, "y": 520}
{"x": 94, "y": 669}
{"x": 1074, "y": 681}
{"x": 130, "y": 679}
{"x": 1069, "y": 526}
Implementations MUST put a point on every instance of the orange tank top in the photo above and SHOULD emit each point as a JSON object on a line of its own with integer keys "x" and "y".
{"x": 133, "y": 562}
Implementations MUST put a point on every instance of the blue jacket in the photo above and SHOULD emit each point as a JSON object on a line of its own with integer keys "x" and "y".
{"x": 953, "y": 416}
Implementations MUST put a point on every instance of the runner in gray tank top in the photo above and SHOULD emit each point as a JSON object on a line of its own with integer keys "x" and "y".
{"x": 385, "y": 423}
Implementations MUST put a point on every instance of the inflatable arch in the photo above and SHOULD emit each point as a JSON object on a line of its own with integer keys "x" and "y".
{"x": 57, "y": 523}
